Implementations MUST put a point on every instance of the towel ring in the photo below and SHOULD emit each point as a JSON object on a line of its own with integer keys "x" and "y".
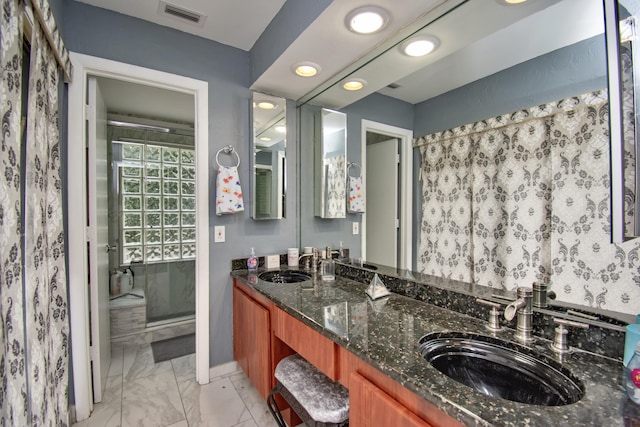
{"x": 352, "y": 164}
{"x": 227, "y": 149}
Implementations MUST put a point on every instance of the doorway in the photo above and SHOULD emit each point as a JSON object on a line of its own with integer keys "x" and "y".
{"x": 391, "y": 155}
{"x": 152, "y": 204}
{"x": 80, "y": 248}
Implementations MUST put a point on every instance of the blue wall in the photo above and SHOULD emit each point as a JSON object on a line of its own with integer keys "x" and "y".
{"x": 572, "y": 70}
{"x": 118, "y": 37}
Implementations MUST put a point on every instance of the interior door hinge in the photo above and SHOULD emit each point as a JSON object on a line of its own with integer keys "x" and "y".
{"x": 398, "y": 158}
{"x": 397, "y": 223}
{"x": 88, "y": 111}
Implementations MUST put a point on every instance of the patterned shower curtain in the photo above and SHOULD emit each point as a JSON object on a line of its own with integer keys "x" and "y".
{"x": 35, "y": 325}
{"x": 486, "y": 193}
{"x": 13, "y": 383}
{"x": 524, "y": 197}
{"x": 47, "y": 325}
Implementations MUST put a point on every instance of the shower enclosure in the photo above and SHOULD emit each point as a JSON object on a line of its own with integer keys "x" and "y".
{"x": 152, "y": 217}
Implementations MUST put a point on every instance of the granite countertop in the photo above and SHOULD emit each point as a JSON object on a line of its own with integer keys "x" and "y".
{"x": 385, "y": 333}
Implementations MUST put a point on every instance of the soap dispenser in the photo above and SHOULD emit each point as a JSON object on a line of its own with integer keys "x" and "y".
{"x": 252, "y": 261}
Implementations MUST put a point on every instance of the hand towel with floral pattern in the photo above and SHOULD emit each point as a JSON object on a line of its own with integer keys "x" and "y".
{"x": 228, "y": 191}
{"x": 356, "y": 195}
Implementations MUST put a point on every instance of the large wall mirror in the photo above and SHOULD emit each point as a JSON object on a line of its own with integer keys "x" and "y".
{"x": 269, "y": 157}
{"x": 508, "y": 60}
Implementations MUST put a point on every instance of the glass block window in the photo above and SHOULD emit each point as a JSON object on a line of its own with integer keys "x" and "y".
{"x": 157, "y": 203}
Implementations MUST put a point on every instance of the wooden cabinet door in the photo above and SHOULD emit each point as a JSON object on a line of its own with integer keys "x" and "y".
{"x": 251, "y": 340}
{"x": 372, "y": 407}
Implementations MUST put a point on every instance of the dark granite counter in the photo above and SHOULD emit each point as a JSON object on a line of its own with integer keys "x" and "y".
{"x": 385, "y": 333}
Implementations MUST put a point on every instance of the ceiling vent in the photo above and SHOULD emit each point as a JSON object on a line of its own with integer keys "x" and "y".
{"x": 393, "y": 86}
{"x": 173, "y": 11}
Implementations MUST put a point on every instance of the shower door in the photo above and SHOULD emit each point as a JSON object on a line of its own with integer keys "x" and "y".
{"x": 154, "y": 201}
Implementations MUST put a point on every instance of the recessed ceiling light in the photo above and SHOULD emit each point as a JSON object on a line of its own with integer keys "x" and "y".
{"x": 267, "y": 105}
{"x": 265, "y": 138}
{"x": 511, "y": 2}
{"x": 354, "y": 84}
{"x": 306, "y": 69}
{"x": 367, "y": 19}
{"x": 281, "y": 129}
{"x": 420, "y": 46}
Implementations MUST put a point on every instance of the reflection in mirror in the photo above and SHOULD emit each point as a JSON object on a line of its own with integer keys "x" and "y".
{"x": 269, "y": 156}
{"x": 330, "y": 134}
{"x": 624, "y": 83}
{"x": 512, "y": 71}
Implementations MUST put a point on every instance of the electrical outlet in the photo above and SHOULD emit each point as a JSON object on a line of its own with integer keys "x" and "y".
{"x": 356, "y": 228}
{"x": 218, "y": 232}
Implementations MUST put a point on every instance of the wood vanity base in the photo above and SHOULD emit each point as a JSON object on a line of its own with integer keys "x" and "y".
{"x": 264, "y": 334}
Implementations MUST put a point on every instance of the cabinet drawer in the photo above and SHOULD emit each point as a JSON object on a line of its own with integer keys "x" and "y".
{"x": 313, "y": 346}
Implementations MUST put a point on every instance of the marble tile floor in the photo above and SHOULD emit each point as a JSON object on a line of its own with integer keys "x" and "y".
{"x": 142, "y": 393}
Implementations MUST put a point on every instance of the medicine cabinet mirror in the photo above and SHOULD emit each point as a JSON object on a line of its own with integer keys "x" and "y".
{"x": 269, "y": 157}
{"x": 624, "y": 82}
{"x": 330, "y": 140}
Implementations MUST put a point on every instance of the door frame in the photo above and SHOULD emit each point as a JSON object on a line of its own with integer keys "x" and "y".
{"x": 83, "y": 66}
{"x": 405, "y": 137}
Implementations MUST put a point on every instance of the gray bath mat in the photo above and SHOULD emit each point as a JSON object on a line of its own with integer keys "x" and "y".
{"x": 173, "y": 347}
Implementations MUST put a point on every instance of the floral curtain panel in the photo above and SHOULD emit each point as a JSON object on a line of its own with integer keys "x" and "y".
{"x": 13, "y": 383}
{"x": 524, "y": 197}
{"x": 33, "y": 295}
{"x": 47, "y": 323}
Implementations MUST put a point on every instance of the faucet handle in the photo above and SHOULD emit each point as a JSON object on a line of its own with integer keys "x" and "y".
{"x": 494, "y": 314}
{"x": 560, "y": 339}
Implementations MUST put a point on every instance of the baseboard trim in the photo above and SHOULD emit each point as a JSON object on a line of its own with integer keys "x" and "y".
{"x": 223, "y": 369}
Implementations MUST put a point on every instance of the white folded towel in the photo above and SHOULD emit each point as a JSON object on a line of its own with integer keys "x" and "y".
{"x": 356, "y": 195}
{"x": 228, "y": 191}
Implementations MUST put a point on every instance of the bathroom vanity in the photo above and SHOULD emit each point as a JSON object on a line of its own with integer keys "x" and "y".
{"x": 373, "y": 348}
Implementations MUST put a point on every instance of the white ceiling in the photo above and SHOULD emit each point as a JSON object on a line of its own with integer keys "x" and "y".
{"x": 328, "y": 43}
{"x": 514, "y": 37}
{"x": 239, "y": 23}
{"x": 495, "y": 37}
{"x": 236, "y": 23}
{"x": 134, "y": 99}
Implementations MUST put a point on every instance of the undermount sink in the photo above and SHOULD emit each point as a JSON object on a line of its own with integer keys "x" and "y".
{"x": 284, "y": 276}
{"x": 501, "y": 369}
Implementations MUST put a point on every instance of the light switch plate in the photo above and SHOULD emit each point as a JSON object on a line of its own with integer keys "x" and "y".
{"x": 356, "y": 228}
{"x": 272, "y": 261}
{"x": 218, "y": 232}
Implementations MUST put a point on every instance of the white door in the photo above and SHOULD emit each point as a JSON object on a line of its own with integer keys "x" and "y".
{"x": 382, "y": 202}
{"x": 97, "y": 170}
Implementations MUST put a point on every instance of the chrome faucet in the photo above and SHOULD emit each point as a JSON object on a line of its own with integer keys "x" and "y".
{"x": 522, "y": 307}
{"x": 313, "y": 257}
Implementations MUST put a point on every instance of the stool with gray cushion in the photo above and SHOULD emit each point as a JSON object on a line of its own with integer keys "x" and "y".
{"x": 318, "y": 401}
